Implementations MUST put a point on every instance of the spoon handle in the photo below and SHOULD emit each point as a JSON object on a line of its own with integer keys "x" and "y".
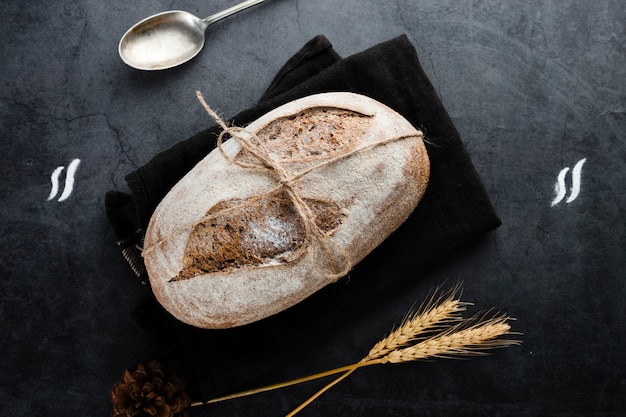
{"x": 230, "y": 11}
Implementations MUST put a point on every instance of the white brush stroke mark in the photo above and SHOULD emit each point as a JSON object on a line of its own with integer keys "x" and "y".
{"x": 69, "y": 181}
{"x": 576, "y": 176}
{"x": 55, "y": 182}
{"x": 560, "y": 187}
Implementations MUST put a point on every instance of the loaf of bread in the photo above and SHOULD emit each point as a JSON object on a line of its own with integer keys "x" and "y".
{"x": 261, "y": 224}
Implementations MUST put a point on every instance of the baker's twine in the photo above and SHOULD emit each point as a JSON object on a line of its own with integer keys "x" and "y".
{"x": 328, "y": 257}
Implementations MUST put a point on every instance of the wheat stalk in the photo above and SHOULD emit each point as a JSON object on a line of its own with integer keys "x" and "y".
{"x": 465, "y": 338}
{"x": 435, "y": 330}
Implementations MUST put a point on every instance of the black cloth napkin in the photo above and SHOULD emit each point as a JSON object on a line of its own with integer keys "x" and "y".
{"x": 454, "y": 212}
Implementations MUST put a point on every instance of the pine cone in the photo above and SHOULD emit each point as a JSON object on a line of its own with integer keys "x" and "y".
{"x": 150, "y": 390}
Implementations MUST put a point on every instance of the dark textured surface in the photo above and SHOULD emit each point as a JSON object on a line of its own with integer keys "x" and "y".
{"x": 532, "y": 88}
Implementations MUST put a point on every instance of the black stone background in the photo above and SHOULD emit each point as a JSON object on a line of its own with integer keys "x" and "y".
{"x": 532, "y": 87}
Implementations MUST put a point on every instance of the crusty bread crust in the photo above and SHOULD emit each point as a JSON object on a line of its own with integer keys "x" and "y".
{"x": 376, "y": 188}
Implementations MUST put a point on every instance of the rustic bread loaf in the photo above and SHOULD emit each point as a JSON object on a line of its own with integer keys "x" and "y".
{"x": 239, "y": 238}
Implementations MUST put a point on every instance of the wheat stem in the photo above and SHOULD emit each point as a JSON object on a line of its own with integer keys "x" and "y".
{"x": 322, "y": 391}
{"x": 279, "y": 385}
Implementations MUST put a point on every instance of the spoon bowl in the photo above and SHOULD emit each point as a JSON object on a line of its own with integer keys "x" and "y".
{"x": 168, "y": 39}
{"x": 163, "y": 41}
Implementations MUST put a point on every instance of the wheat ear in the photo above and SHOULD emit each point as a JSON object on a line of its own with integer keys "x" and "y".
{"x": 469, "y": 338}
{"x": 438, "y": 313}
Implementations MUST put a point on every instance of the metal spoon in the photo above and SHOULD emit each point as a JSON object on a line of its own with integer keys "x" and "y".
{"x": 168, "y": 39}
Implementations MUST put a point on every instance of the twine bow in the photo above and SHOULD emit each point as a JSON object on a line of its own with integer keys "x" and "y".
{"x": 329, "y": 258}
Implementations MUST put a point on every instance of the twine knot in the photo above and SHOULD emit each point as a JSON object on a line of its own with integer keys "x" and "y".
{"x": 328, "y": 258}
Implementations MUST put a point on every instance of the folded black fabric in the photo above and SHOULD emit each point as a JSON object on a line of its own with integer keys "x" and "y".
{"x": 454, "y": 212}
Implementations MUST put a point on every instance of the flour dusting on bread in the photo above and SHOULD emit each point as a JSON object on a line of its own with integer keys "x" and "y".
{"x": 252, "y": 233}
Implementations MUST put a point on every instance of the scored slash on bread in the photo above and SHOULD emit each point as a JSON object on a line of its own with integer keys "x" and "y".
{"x": 255, "y": 232}
{"x": 227, "y": 246}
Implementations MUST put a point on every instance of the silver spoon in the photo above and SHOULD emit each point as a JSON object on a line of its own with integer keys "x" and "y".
{"x": 168, "y": 39}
